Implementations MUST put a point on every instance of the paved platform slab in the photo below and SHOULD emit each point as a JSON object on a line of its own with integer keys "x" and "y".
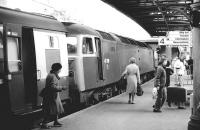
{"x": 117, "y": 114}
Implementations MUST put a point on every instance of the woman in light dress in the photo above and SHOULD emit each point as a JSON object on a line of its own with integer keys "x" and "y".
{"x": 179, "y": 69}
{"x": 133, "y": 77}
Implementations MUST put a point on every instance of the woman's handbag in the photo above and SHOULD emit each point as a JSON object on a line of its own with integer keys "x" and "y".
{"x": 43, "y": 92}
{"x": 139, "y": 90}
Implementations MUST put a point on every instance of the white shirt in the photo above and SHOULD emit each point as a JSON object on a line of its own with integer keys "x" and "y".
{"x": 179, "y": 67}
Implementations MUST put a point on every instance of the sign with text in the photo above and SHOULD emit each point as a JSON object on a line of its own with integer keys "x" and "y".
{"x": 176, "y": 38}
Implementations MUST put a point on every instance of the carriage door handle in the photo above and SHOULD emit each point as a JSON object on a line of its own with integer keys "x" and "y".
{"x": 38, "y": 74}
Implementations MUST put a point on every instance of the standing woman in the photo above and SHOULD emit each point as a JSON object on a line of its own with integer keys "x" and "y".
{"x": 52, "y": 105}
{"x": 179, "y": 69}
{"x": 133, "y": 77}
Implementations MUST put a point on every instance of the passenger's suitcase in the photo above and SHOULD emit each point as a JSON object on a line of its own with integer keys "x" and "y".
{"x": 176, "y": 94}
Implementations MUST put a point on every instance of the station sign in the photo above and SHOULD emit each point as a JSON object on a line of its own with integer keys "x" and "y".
{"x": 176, "y": 38}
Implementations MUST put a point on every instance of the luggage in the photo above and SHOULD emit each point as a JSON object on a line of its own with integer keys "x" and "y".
{"x": 176, "y": 95}
{"x": 139, "y": 90}
{"x": 154, "y": 93}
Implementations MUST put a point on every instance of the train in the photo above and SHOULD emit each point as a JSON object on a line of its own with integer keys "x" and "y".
{"x": 92, "y": 60}
{"x": 97, "y": 60}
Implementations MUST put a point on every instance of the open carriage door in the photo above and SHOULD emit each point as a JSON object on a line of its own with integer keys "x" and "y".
{"x": 50, "y": 48}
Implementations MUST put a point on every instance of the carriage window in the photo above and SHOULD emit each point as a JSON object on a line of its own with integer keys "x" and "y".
{"x": 1, "y": 49}
{"x": 87, "y": 47}
{"x": 13, "y": 54}
{"x": 72, "y": 45}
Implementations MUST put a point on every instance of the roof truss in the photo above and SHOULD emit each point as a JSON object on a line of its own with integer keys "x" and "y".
{"x": 157, "y": 17}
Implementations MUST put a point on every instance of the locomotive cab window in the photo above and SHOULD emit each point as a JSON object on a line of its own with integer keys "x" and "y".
{"x": 87, "y": 47}
{"x": 13, "y": 54}
{"x": 72, "y": 45}
{"x": 98, "y": 46}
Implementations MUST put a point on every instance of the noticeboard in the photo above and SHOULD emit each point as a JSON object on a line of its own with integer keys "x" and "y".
{"x": 176, "y": 38}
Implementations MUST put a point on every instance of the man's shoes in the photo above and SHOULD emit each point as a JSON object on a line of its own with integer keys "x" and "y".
{"x": 45, "y": 127}
{"x": 57, "y": 124}
{"x": 157, "y": 110}
{"x": 169, "y": 104}
{"x": 129, "y": 102}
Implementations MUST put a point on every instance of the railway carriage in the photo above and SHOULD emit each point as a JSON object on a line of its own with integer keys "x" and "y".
{"x": 29, "y": 44}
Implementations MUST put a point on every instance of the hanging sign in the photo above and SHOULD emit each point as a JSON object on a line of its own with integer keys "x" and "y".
{"x": 176, "y": 38}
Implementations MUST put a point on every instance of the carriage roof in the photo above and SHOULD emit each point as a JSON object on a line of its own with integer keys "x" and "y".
{"x": 74, "y": 28}
{"x": 30, "y": 19}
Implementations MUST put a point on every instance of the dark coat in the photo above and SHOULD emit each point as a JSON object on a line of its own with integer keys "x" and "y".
{"x": 169, "y": 72}
{"x": 51, "y": 101}
{"x": 160, "y": 78}
{"x": 190, "y": 64}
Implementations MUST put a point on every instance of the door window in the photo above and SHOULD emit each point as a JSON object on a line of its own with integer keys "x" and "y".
{"x": 13, "y": 54}
{"x": 1, "y": 49}
{"x": 72, "y": 45}
{"x": 53, "y": 42}
{"x": 87, "y": 47}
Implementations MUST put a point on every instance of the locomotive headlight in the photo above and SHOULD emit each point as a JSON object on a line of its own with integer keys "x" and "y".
{"x": 8, "y": 33}
{"x": 9, "y": 76}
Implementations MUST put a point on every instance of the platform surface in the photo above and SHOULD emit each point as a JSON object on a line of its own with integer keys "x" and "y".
{"x": 117, "y": 114}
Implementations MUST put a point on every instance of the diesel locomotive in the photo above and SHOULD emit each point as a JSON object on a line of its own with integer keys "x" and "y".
{"x": 97, "y": 60}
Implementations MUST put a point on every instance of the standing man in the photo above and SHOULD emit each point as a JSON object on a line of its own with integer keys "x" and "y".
{"x": 160, "y": 81}
{"x": 163, "y": 57}
{"x": 190, "y": 64}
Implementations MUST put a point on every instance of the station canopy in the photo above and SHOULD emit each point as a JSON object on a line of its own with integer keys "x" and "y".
{"x": 157, "y": 17}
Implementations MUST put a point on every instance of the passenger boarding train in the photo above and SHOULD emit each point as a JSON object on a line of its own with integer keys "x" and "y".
{"x": 92, "y": 60}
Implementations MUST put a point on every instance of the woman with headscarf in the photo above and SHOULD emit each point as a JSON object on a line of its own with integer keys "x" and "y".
{"x": 133, "y": 77}
{"x": 52, "y": 105}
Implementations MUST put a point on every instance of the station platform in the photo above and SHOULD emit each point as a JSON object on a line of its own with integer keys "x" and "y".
{"x": 116, "y": 114}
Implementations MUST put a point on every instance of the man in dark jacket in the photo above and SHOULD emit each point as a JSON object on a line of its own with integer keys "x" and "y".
{"x": 190, "y": 64}
{"x": 160, "y": 81}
